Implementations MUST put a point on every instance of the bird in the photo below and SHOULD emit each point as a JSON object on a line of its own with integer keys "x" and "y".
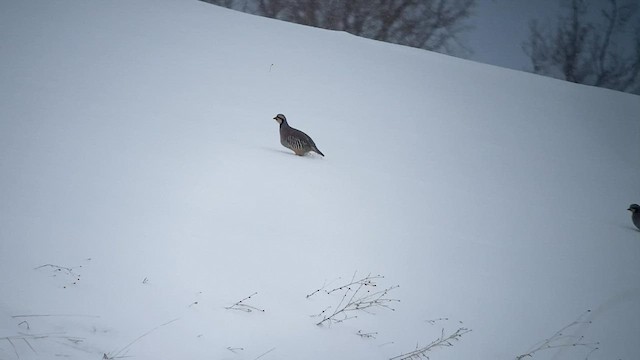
{"x": 295, "y": 139}
{"x": 635, "y": 214}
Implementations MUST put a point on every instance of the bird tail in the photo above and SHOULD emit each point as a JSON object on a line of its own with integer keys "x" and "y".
{"x": 318, "y": 151}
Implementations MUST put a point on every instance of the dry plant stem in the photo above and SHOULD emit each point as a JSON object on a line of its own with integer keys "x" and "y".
{"x": 367, "y": 280}
{"x": 357, "y": 300}
{"x": 433, "y": 321}
{"x": 68, "y": 270}
{"x": 265, "y": 353}
{"x": 26, "y": 337}
{"x": 119, "y": 352}
{"x": 241, "y": 306}
{"x": 14, "y": 347}
{"x": 442, "y": 341}
{"x": 591, "y": 352}
{"x": 324, "y": 286}
{"x": 559, "y": 340}
{"x": 369, "y": 335}
{"x": 50, "y": 315}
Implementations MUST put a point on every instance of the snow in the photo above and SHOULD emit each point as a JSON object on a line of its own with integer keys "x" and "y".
{"x": 138, "y": 151}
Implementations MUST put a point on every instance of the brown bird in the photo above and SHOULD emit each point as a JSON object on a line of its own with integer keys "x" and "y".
{"x": 295, "y": 139}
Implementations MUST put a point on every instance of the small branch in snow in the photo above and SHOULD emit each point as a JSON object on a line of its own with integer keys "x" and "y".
{"x": 434, "y": 321}
{"x": 52, "y": 315}
{"x": 27, "y": 338}
{"x": 196, "y": 302}
{"x": 234, "y": 350}
{"x": 64, "y": 269}
{"x": 324, "y": 286}
{"x": 357, "y": 296}
{"x": 118, "y": 353}
{"x": 559, "y": 339}
{"x": 264, "y": 353}
{"x": 365, "y": 281}
{"x": 241, "y": 306}
{"x": 443, "y": 341}
{"x": 68, "y": 271}
{"x": 367, "y": 335}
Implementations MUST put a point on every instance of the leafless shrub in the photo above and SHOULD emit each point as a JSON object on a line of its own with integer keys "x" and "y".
{"x": 560, "y": 339}
{"x": 434, "y": 321}
{"x": 265, "y": 353}
{"x": 359, "y": 295}
{"x": 367, "y": 335}
{"x": 70, "y": 272}
{"x": 27, "y": 340}
{"x": 120, "y": 353}
{"x": 603, "y": 53}
{"x": 421, "y": 352}
{"x": 428, "y": 24}
{"x": 234, "y": 349}
{"x": 242, "y": 306}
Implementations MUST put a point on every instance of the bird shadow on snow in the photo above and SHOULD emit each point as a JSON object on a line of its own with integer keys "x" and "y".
{"x": 309, "y": 156}
{"x": 629, "y": 227}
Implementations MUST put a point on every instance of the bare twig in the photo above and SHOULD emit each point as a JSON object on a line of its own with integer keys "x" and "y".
{"x": 317, "y": 290}
{"x": 443, "y": 341}
{"x": 52, "y": 315}
{"x": 65, "y": 269}
{"x": 366, "y": 281}
{"x": 591, "y": 352}
{"x": 357, "y": 296}
{"x": 434, "y": 321}
{"x": 234, "y": 349}
{"x": 26, "y": 337}
{"x": 559, "y": 339}
{"x": 264, "y": 353}
{"x": 324, "y": 286}
{"x": 68, "y": 271}
{"x": 119, "y": 352}
{"x": 241, "y": 306}
{"x": 13, "y": 346}
{"x": 369, "y": 335}
{"x": 29, "y": 345}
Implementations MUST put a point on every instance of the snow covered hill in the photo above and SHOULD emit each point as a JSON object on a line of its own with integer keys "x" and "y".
{"x": 144, "y": 193}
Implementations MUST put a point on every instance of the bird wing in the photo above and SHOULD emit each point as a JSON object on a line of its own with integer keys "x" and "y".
{"x": 302, "y": 136}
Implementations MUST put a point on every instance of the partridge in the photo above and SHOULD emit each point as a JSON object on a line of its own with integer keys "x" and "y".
{"x": 295, "y": 139}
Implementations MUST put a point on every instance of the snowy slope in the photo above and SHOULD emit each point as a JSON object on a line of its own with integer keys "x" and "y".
{"x": 139, "y": 155}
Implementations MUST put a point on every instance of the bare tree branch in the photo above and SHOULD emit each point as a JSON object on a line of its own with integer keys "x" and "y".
{"x": 429, "y": 24}
{"x": 581, "y": 51}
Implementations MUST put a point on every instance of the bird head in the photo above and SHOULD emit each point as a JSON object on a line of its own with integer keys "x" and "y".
{"x": 280, "y": 119}
{"x": 634, "y": 208}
